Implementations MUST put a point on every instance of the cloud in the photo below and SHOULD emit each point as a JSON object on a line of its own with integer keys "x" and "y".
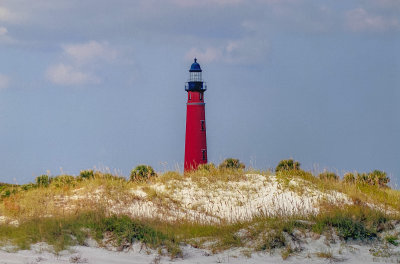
{"x": 3, "y": 31}
{"x": 80, "y": 63}
{"x": 4, "y": 81}
{"x": 249, "y": 50}
{"x": 62, "y": 74}
{"x": 4, "y": 37}
{"x": 360, "y": 20}
{"x": 5, "y": 14}
{"x": 90, "y": 51}
{"x": 8, "y": 16}
{"x": 206, "y": 55}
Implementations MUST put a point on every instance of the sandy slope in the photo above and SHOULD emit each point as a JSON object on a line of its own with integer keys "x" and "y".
{"x": 221, "y": 201}
{"x": 226, "y": 201}
{"x": 350, "y": 253}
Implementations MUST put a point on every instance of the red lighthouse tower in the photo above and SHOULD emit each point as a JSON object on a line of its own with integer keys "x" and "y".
{"x": 195, "y": 142}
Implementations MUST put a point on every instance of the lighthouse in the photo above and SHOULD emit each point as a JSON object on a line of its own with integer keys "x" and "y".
{"x": 195, "y": 140}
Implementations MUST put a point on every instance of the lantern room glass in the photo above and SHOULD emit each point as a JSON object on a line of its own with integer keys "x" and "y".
{"x": 195, "y": 77}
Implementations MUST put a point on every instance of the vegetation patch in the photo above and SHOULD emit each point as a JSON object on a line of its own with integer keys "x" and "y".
{"x": 64, "y": 232}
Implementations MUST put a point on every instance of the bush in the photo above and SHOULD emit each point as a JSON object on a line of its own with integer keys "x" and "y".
{"x": 231, "y": 163}
{"x": 362, "y": 178}
{"x": 287, "y": 165}
{"x": 328, "y": 176}
{"x": 392, "y": 240}
{"x": 43, "y": 180}
{"x": 86, "y": 174}
{"x": 142, "y": 172}
{"x": 206, "y": 167}
{"x": 376, "y": 178}
{"x": 349, "y": 178}
{"x": 28, "y": 186}
{"x": 63, "y": 180}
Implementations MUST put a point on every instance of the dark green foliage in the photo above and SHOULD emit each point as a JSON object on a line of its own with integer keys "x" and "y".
{"x": 362, "y": 178}
{"x": 287, "y": 165}
{"x": 351, "y": 222}
{"x": 142, "y": 173}
{"x": 392, "y": 240}
{"x": 206, "y": 167}
{"x": 86, "y": 174}
{"x": 349, "y": 178}
{"x": 376, "y": 178}
{"x": 6, "y": 193}
{"x": 43, "y": 180}
{"x": 273, "y": 240}
{"x": 63, "y": 180}
{"x": 126, "y": 229}
{"x": 67, "y": 231}
{"x": 328, "y": 176}
{"x": 28, "y": 186}
{"x": 231, "y": 163}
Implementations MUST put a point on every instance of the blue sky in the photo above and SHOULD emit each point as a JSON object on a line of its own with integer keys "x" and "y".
{"x": 98, "y": 83}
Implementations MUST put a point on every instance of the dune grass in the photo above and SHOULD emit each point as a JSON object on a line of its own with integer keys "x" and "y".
{"x": 45, "y": 216}
{"x": 62, "y": 232}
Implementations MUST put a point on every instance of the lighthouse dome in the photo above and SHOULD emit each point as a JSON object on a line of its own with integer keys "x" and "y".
{"x": 195, "y": 66}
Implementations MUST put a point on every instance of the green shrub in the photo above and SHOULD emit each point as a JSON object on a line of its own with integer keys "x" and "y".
{"x": 43, "y": 180}
{"x": 378, "y": 178}
{"x": 142, "y": 172}
{"x": 126, "y": 229}
{"x": 328, "y": 176}
{"x": 392, "y": 240}
{"x": 287, "y": 165}
{"x": 351, "y": 222}
{"x": 273, "y": 240}
{"x": 362, "y": 178}
{"x": 63, "y": 180}
{"x": 349, "y": 178}
{"x": 6, "y": 193}
{"x": 207, "y": 167}
{"x": 86, "y": 174}
{"x": 231, "y": 163}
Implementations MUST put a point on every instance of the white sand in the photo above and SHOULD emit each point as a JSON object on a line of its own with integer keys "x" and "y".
{"x": 220, "y": 201}
{"x": 344, "y": 253}
{"x": 230, "y": 201}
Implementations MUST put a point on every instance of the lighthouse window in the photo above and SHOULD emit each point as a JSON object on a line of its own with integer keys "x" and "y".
{"x": 203, "y": 151}
{"x": 190, "y": 96}
{"x": 202, "y": 125}
{"x": 195, "y": 76}
{"x": 201, "y": 96}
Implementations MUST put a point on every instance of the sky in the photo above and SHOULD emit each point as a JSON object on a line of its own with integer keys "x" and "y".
{"x": 100, "y": 84}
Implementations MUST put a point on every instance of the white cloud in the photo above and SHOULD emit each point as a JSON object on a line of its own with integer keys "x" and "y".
{"x": 90, "y": 51}
{"x": 3, "y": 31}
{"x": 4, "y": 37}
{"x": 206, "y": 55}
{"x": 360, "y": 20}
{"x": 4, "y": 81}
{"x": 80, "y": 62}
{"x": 249, "y": 50}
{"x": 7, "y": 16}
{"x": 68, "y": 75}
